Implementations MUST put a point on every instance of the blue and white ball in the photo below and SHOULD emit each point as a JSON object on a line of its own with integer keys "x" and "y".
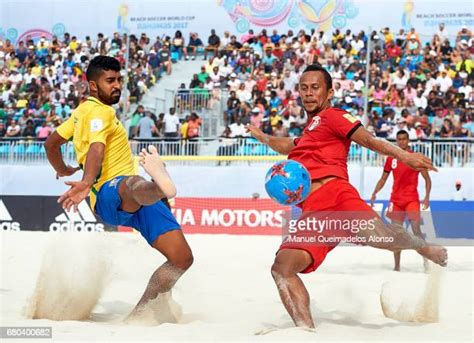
{"x": 288, "y": 182}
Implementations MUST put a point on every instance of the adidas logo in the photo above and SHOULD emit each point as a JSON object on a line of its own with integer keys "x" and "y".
{"x": 6, "y": 220}
{"x": 81, "y": 221}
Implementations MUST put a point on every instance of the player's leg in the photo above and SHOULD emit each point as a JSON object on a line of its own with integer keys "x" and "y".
{"x": 288, "y": 263}
{"x": 382, "y": 236}
{"x": 136, "y": 192}
{"x": 175, "y": 248}
{"x": 396, "y": 214}
{"x": 397, "y": 254}
{"x": 394, "y": 238}
{"x": 416, "y": 228}
{"x": 413, "y": 213}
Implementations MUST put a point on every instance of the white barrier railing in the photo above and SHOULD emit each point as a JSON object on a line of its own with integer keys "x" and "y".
{"x": 239, "y": 150}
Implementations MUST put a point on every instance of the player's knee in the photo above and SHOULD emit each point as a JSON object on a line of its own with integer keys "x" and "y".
{"x": 182, "y": 261}
{"x": 132, "y": 182}
{"x": 281, "y": 269}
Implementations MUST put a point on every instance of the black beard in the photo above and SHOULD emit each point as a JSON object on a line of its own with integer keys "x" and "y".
{"x": 108, "y": 99}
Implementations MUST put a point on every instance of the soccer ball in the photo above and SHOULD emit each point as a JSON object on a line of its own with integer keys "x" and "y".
{"x": 288, "y": 182}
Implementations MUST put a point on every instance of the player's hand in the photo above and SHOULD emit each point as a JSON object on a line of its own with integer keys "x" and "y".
{"x": 372, "y": 199}
{"x": 79, "y": 191}
{"x": 418, "y": 162}
{"x": 67, "y": 172}
{"x": 426, "y": 204}
{"x": 257, "y": 133}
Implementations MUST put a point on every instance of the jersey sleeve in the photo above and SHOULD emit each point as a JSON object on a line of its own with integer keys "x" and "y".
{"x": 99, "y": 126}
{"x": 66, "y": 129}
{"x": 344, "y": 124}
{"x": 388, "y": 165}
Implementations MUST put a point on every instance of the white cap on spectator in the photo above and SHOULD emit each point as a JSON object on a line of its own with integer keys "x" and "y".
{"x": 417, "y": 124}
{"x": 42, "y": 39}
{"x": 273, "y": 74}
{"x": 65, "y": 76}
{"x": 152, "y": 51}
{"x": 376, "y": 37}
{"x": 441, "y": 68}
{"x": 464, "y": 27}
{"x": 463, "y": 41}
{"x": 233, "y": 75}
{"x": 255, "y": 110}
{"x": 433, "y": 53}
{"x": 348, "y": 99}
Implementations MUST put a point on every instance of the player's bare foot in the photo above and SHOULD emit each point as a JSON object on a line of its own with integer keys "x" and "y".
{"x": 155, "y": 167}
{"x": 396, "y": 268}
{"x": 436, "y": 254}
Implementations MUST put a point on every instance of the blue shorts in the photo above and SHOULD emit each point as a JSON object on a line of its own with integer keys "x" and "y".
{"x": 152, "y": 221}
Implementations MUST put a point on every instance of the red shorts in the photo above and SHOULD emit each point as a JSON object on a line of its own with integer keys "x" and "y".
{"x": 337, "y": 198}
{"x": 400, "y": 210}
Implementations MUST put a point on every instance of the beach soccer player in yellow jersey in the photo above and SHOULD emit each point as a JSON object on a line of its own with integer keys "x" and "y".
{"x": 118, "y": 196}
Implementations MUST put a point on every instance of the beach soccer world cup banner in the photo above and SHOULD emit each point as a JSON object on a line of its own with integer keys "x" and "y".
{"x": 236, "y": 216}
{"x": 33, "y": 19}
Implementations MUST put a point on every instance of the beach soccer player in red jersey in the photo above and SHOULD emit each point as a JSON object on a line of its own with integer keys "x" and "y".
{"x": 404, "y": 201}
{"x": 323, "y": 149}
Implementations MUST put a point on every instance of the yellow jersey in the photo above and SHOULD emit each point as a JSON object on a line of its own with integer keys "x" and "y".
{"x": 91, "y": 122}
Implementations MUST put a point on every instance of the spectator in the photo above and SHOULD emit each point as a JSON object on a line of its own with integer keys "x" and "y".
{"x": 238, "y": 130}
{"x": 29, "y": 130}
{"x": 147, "y": 126}
{"x": 447, "y": 130}
{"x": 233, "y": 105}
{"x": 171, "y": 124}
{"x": 213, "y": 42}
{"x": 137, "y": 115}
{"x": 444, "y": 81}
{"x": 165, "y": 58}
{"x": 458, "y": 194}
{"x": 177, "y": 45}
{"x": 44, "y": 131}
{"x": 194, "y": 126}
{"x": 13, "y": 130}
{"x": 279, "y": 130}
{"x": 193, "y": 44}
{"x": 402, "y": 125}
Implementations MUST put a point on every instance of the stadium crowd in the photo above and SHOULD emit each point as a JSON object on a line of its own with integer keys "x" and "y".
{"x": 424, "y": 88}
{"x": 43, "y": 80}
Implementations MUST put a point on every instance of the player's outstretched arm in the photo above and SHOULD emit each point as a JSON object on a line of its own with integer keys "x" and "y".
{"x": 426, "y": 200}
{"x": 282, "y": 145}
{"x": 80, "y": 189}
{"x": 415, "y": 160}
{"x": 378, "y": 187}
{"x": 55, "y": 158}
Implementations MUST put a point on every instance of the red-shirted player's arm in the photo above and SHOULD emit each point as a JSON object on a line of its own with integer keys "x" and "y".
{"x": 414, "y": 160}
{"x": 426, "y": 200}
{"x": 379, "y": 186}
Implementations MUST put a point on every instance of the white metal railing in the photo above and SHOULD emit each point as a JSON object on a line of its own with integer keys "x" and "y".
{"x": 238, "y": 150}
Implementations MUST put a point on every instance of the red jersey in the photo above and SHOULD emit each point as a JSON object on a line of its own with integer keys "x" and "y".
{"x": 325, "y": 142}
{"x": 405, "y": 180}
